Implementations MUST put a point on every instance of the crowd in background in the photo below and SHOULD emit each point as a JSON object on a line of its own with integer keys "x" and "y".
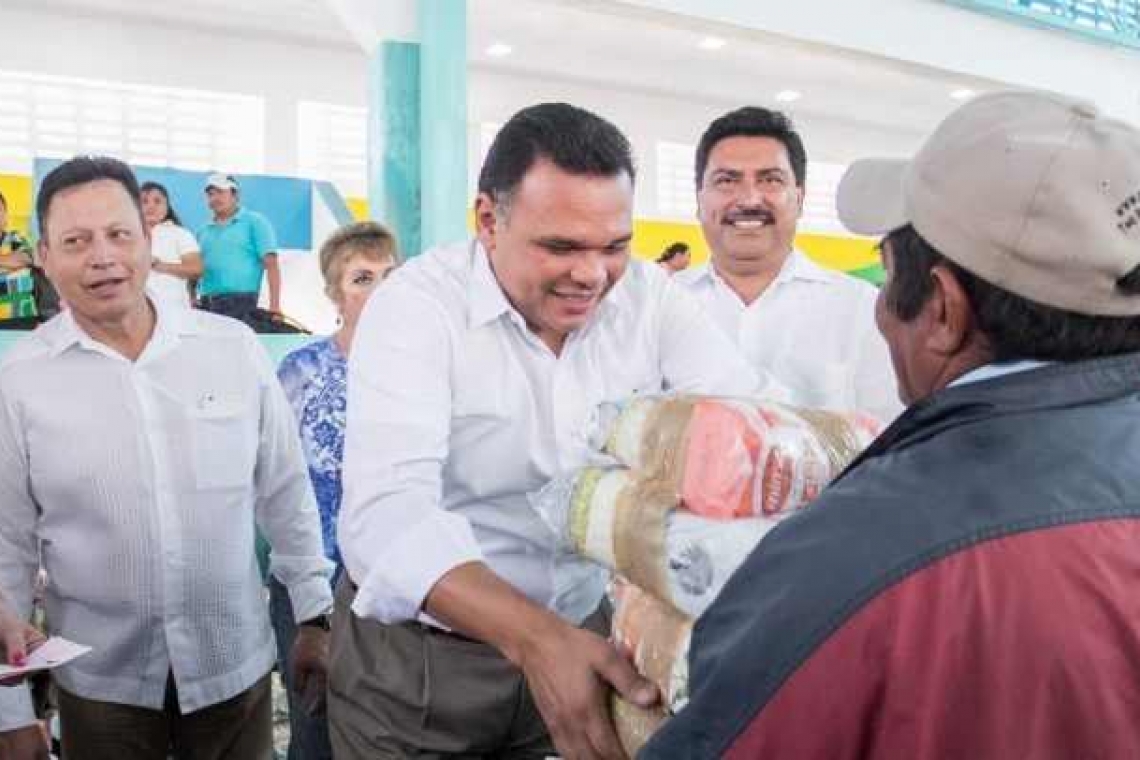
{"x": 415, "y": 603}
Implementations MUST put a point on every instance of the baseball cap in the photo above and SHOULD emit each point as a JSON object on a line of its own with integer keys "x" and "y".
{"x": 221, "y": 181}
{"x": 1035, "y": 193}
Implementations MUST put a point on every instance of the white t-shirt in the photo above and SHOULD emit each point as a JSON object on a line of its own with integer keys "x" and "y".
{"x": 169, "y": 243}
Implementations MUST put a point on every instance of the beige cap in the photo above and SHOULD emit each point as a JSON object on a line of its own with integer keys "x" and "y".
{"x": 1037, "y": 194}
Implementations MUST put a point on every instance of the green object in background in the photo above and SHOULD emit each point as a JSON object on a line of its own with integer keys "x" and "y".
{"x": 443, "y": 121}
{"x": 394, "y": 186}
{"x": 874, "y": 274}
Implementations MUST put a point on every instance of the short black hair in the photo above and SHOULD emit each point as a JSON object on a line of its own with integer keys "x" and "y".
{"x": 753, "y": 121}
{"x": 573, "y": 139}
{"x": 158, "y": 187}
{"x": 673, "y": 251}
{"x": 1015, "y": 327}
{"x": 83, "y": 170}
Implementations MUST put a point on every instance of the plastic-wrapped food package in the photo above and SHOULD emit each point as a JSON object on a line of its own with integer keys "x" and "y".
{"x": 656, "y": 637}
{"x": 633, "y": 528}
{"x": 635, "y": 725}
{"x": 729, "y": 458}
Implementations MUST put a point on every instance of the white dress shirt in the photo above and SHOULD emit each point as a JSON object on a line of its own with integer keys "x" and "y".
{"x": 813, "y": 329}
{"x": 457, "y": 411}
{"x": 169, "y": 243}
{"x": 143, "y": 480}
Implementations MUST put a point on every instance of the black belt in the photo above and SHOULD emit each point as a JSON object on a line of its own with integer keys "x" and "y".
{"x": 226, "y": 297}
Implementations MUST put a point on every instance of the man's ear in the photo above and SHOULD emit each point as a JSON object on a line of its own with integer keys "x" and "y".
{"x": 949, "y": 314}
{"x": 486, "y": 221}
{"x": 42, "y": 255}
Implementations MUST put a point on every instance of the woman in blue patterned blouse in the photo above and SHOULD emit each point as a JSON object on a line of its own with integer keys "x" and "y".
{"x": 353, "y": 261}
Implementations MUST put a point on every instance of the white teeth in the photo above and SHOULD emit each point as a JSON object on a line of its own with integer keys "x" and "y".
{"x": 750, "y": 224}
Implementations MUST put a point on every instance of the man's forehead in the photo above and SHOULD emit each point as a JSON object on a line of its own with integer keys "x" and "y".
{"x": 93, "y": 201}
{"x": 751, "y": 152}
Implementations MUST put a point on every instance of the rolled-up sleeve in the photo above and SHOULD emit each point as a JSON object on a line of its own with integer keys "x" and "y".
{"x": 286, "y": 509}
{"x": 697, "y": 357}
{"x": 18, "y": 560}
{"x": 396, "y": 538}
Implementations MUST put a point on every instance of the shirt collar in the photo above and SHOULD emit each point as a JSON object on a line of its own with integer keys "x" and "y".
{"x": 489, "y": 302}
{"x": 171, "y": 322}
{"x": 797, "y": 267}
{"x": 237, "y": 214}
{"x": 998, "y": 369}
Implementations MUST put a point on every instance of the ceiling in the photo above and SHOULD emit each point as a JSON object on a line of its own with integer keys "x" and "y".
{"x": 610, "y": 45}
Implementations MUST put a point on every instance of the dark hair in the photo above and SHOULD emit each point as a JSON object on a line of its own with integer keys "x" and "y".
{"x": 1015, "y": 327}
{"x": 572, "y": 138}
{"x": 171, "y": 214}
{"x": 673, "y": 251}
{"x": 4, "y": 203}
{"x": 753, "y": 121}
{"x": 83, "y": 170}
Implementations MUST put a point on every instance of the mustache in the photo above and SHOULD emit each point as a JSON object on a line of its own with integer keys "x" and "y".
{"x": 750, "y": 215}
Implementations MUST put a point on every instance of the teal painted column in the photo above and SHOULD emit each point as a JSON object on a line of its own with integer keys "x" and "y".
{"x": 443, "y": 120}
{"x": 394, "y": 181}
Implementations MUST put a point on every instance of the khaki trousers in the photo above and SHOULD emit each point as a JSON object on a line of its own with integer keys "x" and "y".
{"x": 241, "y": 728}
{"x": 407, "y": 691}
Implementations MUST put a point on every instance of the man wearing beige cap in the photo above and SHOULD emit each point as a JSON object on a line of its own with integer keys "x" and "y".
{"x": 967, "y": 588}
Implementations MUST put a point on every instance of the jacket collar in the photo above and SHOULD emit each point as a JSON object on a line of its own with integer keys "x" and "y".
{"x": 1051, "y": 387}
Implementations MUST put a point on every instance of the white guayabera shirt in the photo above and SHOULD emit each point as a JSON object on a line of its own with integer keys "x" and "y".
{"x": 813, "y": 329}
{"x": 144, "y": 481}
{"x": 456, "y": 411}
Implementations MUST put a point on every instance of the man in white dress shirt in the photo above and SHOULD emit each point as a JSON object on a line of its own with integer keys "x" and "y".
{"x": 812, "y": 328}
{"x": 474, "y": 373}
{"x": 139, "y": 446}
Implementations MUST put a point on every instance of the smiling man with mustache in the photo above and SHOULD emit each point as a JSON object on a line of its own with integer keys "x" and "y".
{"x": 811, "y": 328}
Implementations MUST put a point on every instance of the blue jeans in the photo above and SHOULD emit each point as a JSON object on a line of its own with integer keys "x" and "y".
{"x": 308, "y": 736}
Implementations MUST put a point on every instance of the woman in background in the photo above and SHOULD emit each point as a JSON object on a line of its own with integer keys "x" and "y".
{"x": 353, "y": 261}
{"x": 175, "y": 259}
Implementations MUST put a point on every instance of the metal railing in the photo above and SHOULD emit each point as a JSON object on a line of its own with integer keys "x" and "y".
{"x": 1113, "y": 22}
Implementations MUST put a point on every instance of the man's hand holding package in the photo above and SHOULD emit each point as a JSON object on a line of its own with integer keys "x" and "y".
{"x": 570, "y": 671}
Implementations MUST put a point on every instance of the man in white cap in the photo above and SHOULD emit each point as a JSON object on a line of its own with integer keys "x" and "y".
{"x": 238, "y": 245}
{"x": 967, "y": 588}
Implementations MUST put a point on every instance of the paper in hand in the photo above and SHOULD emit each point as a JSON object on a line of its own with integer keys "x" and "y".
{"x": 52, "y": 653}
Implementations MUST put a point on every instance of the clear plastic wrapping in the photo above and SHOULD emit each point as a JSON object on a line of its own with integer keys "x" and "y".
{"x": 730, "y": 458}
{"x": 633, "y": 528}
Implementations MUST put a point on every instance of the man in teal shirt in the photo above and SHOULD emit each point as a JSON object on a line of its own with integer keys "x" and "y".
{"x": 237, "y": 246}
